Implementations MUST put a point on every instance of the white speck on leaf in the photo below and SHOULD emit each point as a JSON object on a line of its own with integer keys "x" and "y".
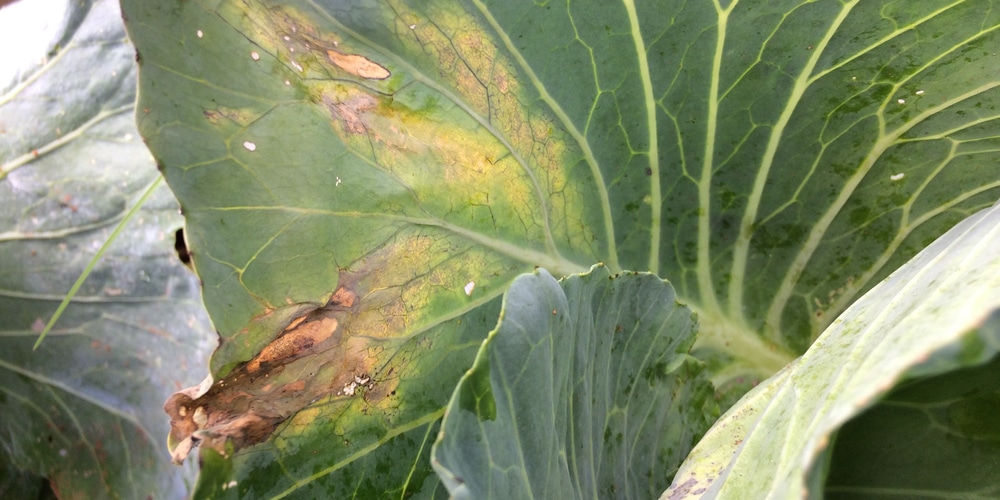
{"x": 297, "y": 66}
{"x": 200, "y": 34}
{"x": 288, "y": 83}
{"x": 287, "y": 38}
{"x": 255, "y": 56}
{"x": 920, "y": 92}
{"x": 413, "y": 26}
{"x": 128, "y": 137}
{"x": 250, "y": 146}
{"x": 897, "y": 177}
{"x": 901, "y": 101}
{"x": 338, "y": 181}
{"x": 469, "y": 287}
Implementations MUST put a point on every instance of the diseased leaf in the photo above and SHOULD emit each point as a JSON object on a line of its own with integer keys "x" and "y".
{"x": 936, "y": 314}
{"x": 370, "y": 438}
{"x": 773, "y": 160}
{"x": 83, "y": 411}
{"x": 584, "y": 390}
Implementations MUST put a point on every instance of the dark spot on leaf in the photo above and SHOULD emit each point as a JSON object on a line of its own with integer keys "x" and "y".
{"x": 649, "y": 171}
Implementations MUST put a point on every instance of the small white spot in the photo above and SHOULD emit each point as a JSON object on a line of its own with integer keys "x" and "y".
{"x": 920, "y": 92}
{"x": 287, "y": 38}
{"x": 128, "y": 137}
{"x": 338, "y": 181}
{"x": 291, "y": 49}
{"x": 854, "y": 78}
{"x": 362, "y": 379}
{"x": 288, "y": 83}
{"x": 230, "y": 484}
{"x": 413, "y": 26}
{"x": 901, "y": 101}
{"x": 255, "y": 56}
{"x": 250, "y": 146}
{"x": 200, "y": 34}
{"x": 469, "y": 287}
{"x": 297, "y": 66}
{"x": 897, "y": 177}
{"x": 63, "y": 452}
{"x": 336, "y": 43}
{"x": 350, "y": 388}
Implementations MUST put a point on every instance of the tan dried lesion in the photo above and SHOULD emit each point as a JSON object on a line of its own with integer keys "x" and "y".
{"x": 358, "y": 65}
{"x": 296, "y": 340}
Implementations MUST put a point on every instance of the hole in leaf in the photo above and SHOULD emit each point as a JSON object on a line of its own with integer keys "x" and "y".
{"x": 182, "y": 251}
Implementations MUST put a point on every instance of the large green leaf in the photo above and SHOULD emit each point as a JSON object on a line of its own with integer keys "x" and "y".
{"x": 584, "y": 390}
{"x": 83, "y": 412}
{"x": 939, "y": 312}
{"x": 381, "y": 168}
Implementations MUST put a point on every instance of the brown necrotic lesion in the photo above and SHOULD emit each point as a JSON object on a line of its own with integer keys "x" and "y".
{"x": 296, "y": 340}
{"x": 358, "y": 65}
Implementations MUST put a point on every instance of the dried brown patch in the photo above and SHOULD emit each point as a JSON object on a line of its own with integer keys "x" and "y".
{"x": 358, "y": 65}
{"x": 295, "y": 341}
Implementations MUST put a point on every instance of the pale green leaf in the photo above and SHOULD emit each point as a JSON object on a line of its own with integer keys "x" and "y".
{"x": 931, "y": 316}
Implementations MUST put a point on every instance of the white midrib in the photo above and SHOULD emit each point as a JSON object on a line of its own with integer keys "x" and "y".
{"x": 888, "y": 139}
{"x": 742, "y": 247}
{"x": 656, "y": 202}
{"x": 706, "y": 290}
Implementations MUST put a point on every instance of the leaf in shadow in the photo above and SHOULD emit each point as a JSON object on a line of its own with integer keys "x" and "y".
{"x": 83, "y": 410}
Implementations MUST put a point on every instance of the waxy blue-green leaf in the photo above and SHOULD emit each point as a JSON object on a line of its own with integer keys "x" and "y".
{"x": 584, "y": 390}
{"x": 83, "y": 411}
{"x": 937, "y": 313}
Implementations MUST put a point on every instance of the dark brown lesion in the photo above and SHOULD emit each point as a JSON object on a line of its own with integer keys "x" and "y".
{"x": 316, "y": 356}
{"x": 246, "y": 406}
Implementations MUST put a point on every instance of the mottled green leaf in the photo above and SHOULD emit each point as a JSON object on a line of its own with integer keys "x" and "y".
{"x": 83, "y": 412}
{"x": 584, "y": 390}
{"x": 936, "y": 314}
{"x": 376, "y": 169}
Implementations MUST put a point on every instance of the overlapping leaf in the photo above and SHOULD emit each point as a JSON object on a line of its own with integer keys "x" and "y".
{"x": 83, "y": 412}
{"x": 584, "y": 390}
{"x": 937, "y": 313}
{"x": 933, "y": 434}
{"x": 355, "y": 174}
